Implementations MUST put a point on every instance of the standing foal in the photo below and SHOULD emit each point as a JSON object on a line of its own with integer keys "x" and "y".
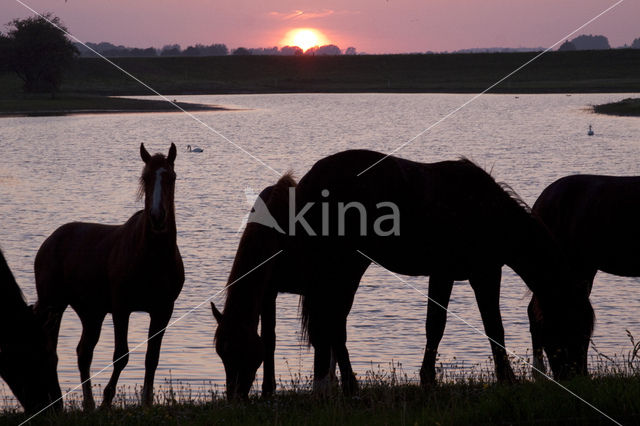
{"x": 100, "y": 269}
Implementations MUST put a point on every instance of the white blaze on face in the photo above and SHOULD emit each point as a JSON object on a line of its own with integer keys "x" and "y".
{"x": 157, "y": 191}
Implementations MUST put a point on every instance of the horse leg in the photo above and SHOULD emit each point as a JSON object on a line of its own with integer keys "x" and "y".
{"x": 341, "y": 355}
{"x": 159, "y": 321}
{"x": 332, "y": 369}
{"x": 51, "y": 318}
{"x": 439, "y": 294}
{"x": 486, "y": 286}
{"x": 539, "y": 370}
{"x": 318, "y": 331}
{"x": 120, "y": 355}
{"x": 268, "y": 334}
{"x": 321, "y": 360}
{"x": 91, "y": 326}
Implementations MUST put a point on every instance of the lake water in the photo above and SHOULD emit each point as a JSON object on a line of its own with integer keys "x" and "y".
{"x": 86, "y": 167}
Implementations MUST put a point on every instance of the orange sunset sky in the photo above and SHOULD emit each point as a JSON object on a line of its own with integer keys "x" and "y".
{"x": 372, "y": 26}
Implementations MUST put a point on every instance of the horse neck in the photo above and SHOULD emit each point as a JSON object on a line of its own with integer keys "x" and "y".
{"x": 536, "y": 256}
{"x": 13, "y": 308}
{"x": 166, "y": 239}
{"x": 248, "y": 282}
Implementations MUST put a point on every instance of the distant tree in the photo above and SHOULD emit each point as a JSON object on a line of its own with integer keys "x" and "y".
{"x": 171, "y": 50}
{"x": 193, "y": 50}
{"x": 636, "y": 43}
{"x": 326, "y": 50}
{"x": 216, "y": 49}
{"x": 241, "y": 51}
{"x": 350, "y": 51}
{"x": 291, "y": 51}
{"x": 591, "y": 42}
{"x": 270, "y": 51}
{"x": 567, "y": 45}
{"x": 39, "y": 52}
{"x": 5, "y": 46}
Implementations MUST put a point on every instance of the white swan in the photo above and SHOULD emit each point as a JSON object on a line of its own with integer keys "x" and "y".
{"x": 195, "y": 149}
{"x": 590, "y": 132}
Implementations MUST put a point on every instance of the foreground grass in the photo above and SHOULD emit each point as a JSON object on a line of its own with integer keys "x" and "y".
{"x": 385, "y": 399}
{"x": 66, "y": 104}
{"x": 626, "y": 107}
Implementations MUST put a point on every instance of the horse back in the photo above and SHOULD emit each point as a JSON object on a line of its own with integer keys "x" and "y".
{"x": 450, "y": 212}
{"x": 595, "y": 217}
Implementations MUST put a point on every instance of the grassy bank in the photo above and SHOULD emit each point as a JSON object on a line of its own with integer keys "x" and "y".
{"x": 387, "y": 396}
{"x": 626, "y": 107}
{"x": 472, "y": 402}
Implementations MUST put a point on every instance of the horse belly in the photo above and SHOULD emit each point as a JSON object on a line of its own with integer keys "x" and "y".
{"x": 71, "y": 267}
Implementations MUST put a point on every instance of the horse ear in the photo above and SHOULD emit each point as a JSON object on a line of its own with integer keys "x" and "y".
{"x": 172, "y": 154}
{"x": 144, "y": 154}
{"x": 216, "y": 313}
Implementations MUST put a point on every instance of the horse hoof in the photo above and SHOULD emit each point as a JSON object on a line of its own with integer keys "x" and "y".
{"x": 89, "y": 405}
{"x": 427, "y": 379}
{"x": 350, "y": 386}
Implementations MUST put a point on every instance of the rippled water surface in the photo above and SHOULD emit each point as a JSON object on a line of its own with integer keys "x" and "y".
{"x": 60, "y": 169}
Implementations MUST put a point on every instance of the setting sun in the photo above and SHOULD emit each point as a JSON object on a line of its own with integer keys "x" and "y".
{"x": 304, "y": 38}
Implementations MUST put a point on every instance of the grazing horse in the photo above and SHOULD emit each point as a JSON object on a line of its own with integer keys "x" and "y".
{"x": 100, "y": 269}
{"x": 448, "y": 220}
{"x": 596, "y": 219}
{"x": 27, "y": 362}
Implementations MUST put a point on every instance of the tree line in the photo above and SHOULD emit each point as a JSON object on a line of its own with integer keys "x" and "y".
{"x": 216, "y": 49}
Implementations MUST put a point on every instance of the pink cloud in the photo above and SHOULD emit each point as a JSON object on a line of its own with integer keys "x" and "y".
{"x": 305, "y": 15}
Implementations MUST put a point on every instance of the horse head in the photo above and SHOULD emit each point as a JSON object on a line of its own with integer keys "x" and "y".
{"x": 29, "y": 364}
{"x": 241, "y": 350}
{"x": 157, "y": 184}
{"x": 564, "y": 333}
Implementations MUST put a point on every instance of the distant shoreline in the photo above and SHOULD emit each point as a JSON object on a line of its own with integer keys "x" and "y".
{"x": 629, "y": 107}
{"x": 93, "y": 79}
{"x": 62, "y": 105}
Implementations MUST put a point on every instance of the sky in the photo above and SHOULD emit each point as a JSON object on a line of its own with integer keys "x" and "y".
{"x": 372, "y": 26}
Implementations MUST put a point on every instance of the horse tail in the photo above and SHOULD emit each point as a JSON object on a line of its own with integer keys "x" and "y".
{"x": 305, "y": 315}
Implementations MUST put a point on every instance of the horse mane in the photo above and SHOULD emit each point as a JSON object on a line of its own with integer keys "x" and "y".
{"x": 506, "y": 188}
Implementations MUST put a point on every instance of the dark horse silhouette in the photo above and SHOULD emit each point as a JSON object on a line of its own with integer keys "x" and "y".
{"x": 596, "y": 219}
{"x": 455, "y": 223}
{"x": 27, "y": 361}
{"x": 100, "y": 269}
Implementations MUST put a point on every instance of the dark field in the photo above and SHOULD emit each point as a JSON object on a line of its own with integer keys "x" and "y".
{"x": 554, "y": 72}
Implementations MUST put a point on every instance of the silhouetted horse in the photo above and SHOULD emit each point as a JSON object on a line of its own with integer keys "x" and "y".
{"x": 454, "y": 222}
{"x": 596, "y": 218}
{"x": 27, "y": 360}
{"x": 100, "y": 269}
